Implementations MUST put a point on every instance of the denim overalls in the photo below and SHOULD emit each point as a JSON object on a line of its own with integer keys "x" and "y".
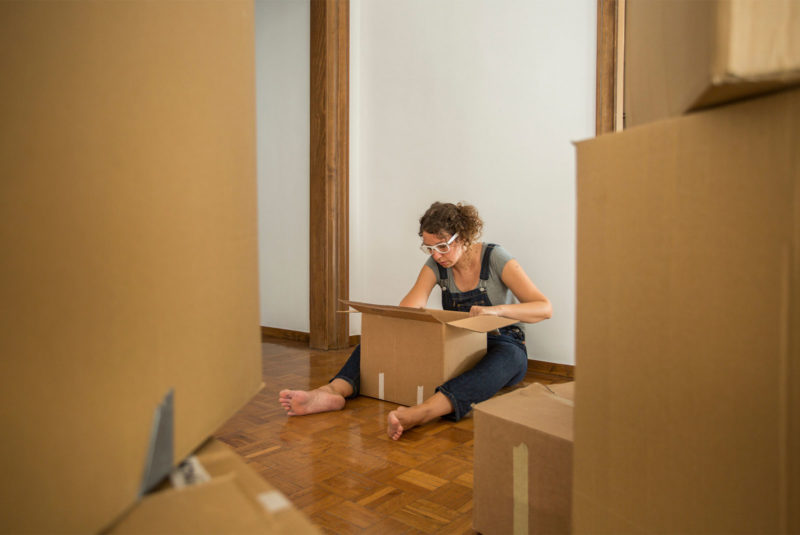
{"x": 506, "y": 359}
{"x": 504, "y": 364}
{"x": 464, "y": 301}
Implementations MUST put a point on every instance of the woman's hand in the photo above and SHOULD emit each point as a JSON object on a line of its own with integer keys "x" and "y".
{"x": 477, "y": 310}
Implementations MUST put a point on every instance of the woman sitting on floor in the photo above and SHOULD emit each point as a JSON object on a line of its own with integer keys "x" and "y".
{"x": 490, "y": 276}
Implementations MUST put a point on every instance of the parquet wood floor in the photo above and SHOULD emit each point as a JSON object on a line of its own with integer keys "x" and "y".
{"x": 341, "y": 468}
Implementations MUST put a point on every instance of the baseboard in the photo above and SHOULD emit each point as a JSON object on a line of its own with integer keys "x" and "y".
{"x": 296, "y": 336}
{"x": 551, "y": 368}
{"x": 284, "y": 334}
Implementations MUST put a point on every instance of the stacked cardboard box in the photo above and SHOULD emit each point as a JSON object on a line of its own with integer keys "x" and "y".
{"x": 683, "y": 55}
{"x": 523, "y": 461}
{"x": 688, "y": 321}
{"x": 128, "y": 280}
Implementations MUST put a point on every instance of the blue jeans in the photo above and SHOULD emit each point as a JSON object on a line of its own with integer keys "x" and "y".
{"x": 504, "y": 364}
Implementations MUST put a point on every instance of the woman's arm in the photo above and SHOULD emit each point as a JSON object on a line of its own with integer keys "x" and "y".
{"x": 533, "y": 306}
{"x": 418, "y": 296}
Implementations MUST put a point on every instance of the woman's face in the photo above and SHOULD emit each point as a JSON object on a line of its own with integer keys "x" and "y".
{"x": 451, "y": 257}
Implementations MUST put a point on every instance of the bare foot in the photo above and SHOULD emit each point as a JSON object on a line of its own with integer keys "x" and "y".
{"x": 394, "y": 428}
{"x": 299, "y": 402}
{"x": 403, "y": 419}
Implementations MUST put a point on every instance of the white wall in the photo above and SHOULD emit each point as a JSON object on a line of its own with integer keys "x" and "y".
{"x": 477, "y": 101}
{"x": 282, "y": 97}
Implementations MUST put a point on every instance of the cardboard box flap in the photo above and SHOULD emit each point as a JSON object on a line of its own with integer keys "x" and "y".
{"x": 446, "y": 316}
{"x": 461, "y": 320}
{"x": 418, "y": 314}
{"x": 220, "y": 460}
{"x": 482, "y": 324}
{"x": 561, "y": 393}
{"x": 564, "y": 390}
{"x": 218, "y": 506}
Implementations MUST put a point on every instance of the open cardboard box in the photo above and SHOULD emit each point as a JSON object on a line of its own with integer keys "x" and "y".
{"x": 215, "y": 491}
{"x": 683, "y": 55}
{"x": 523, "y": 461}
{"x": 407, "y": 352}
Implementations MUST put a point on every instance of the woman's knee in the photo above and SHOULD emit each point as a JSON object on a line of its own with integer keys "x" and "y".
{"x": 520, "y": 375}
{"x": 517, "y": 360}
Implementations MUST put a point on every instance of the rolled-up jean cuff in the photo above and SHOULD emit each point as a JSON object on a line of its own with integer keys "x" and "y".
{"x": 353, "y": 384}
{"x": 456, "y": 415}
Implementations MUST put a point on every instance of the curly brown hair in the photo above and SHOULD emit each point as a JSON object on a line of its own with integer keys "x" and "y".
{"x": 449, "y": 218}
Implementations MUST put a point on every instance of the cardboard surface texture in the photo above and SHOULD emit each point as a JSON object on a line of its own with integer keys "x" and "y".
{"x": 407, "y": 352}
{"x": 688, "y": 305}
{"x": 129, "y": 246}
{"x": 683, "y": 55}
{"x": 235, "y": 500}
{"x": 523, "y": 461}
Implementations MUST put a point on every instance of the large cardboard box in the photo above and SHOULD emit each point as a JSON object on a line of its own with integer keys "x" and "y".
{"x": 523, "y": 461}
{"x": 128, "y": 280}
{"x": 682, "y": 55}
{"x": 215, "y": 492}
{"x": 407, "y": 352}
{"x": 688, "y": 324}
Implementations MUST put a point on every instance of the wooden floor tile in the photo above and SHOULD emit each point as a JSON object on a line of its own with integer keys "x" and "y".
{"x": 426, "y": 516}
{"x": 341, "y": 469}
{"x": 330, "y": 523}
{"x": 422, "y": 479}
{"x": 388, "y": 501}
{"x": 315, "y": 499}
{"x": 350, "y": 485}
{"x": 446, "y": 467}
{"x": 451, "y": 495}
{"x": 355, "y": 514}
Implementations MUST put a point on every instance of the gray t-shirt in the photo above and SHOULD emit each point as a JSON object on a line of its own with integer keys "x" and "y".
{"x": 498, "y": 292}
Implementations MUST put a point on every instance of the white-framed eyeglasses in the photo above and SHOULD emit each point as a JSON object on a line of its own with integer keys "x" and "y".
{"x": 441, "y": 248}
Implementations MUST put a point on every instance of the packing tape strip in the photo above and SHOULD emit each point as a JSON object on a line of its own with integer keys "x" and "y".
{"x": 273, "y": 501}
{"x": 420, "y": 394}
{"x": 520, "y": 471}
{"x": 380, "y": 385}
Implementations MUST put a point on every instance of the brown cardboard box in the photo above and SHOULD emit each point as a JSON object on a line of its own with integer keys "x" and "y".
{"x": 682, "y": 55}
{"x": 688, "y": 324}
{"x": 407, "y": 352}
{"x": 231, "y": 499}
{"x": 523, "y": 461}
{"x": 129, "y": 247}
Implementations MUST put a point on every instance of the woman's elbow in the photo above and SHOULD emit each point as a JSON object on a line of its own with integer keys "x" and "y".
{"x": 547, "y": 311}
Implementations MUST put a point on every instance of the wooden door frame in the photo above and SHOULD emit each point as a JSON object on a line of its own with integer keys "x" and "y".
{"x": 610, "y": 66}
{"x": 329, "y": 151}
{"x": 329, "y": 155}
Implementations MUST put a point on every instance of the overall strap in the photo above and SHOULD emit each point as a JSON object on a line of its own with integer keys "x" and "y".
{"x": 442, "y": 277}
{"x": 485, "y": 262}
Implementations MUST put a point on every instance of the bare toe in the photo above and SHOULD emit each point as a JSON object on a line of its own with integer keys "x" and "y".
{"x": 394, "y": 428}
